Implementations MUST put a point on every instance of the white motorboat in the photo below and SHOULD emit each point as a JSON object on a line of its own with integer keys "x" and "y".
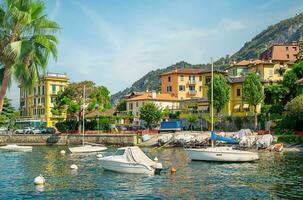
{"x": 130, "y": 160}
{"x": 15, "y": 147}
{"x": 222, "y": 154}
{"x": 87, "y": 148}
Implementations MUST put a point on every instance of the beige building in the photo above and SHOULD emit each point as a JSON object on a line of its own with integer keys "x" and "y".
{"x": 163, "y": 101}
{"x": 36, "y": 104}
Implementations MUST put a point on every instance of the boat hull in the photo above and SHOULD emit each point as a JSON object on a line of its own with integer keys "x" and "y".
{"x": 17, "y": 148}
{"x": 124, "y": 167}
{"x": 86, "y": 149}
{"x": 222, "y": 155}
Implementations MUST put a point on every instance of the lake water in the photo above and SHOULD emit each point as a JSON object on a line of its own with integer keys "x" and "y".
{"x": 275, "y": 176}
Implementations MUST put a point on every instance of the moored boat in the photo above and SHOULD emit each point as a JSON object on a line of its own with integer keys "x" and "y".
{"x": 87, "y": 148}
{"x": 15, "y": 147}
{"x": 222, "y": 154}
{"x": 130, "y": 160}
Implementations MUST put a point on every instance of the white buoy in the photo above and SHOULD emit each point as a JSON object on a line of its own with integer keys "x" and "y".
{"x": 39, "y": 180}
{"x": 155, "y": 159}
{"x": 99, "y": 155}
{"x": 73, "y": 166}
{"x": 62, "y": 152}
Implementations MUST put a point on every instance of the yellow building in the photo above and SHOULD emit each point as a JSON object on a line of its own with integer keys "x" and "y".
{"x": 36, "y": 104}
{"x": 187, "y": 83}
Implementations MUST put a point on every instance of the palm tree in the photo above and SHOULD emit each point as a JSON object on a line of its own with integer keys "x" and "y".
{"x": 26, "y": 42}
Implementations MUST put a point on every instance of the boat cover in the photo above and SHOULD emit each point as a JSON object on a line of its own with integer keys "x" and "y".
{"x": 136, "y": 155}
{"x": 214, "y": 136}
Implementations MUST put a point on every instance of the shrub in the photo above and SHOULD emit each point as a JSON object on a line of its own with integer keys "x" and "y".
{"x": 290, "y": 139}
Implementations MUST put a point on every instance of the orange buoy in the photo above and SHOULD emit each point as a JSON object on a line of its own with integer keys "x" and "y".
{"x": 173, "y": 170}
{"x": 278, "y": 147}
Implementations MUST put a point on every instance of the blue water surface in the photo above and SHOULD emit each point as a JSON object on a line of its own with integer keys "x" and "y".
{"x": 275, "y": 176}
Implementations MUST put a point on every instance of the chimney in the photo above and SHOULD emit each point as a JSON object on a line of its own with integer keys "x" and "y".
{"x": 154, "y": 94}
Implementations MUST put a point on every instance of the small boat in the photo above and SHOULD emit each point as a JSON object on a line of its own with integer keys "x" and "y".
{"x": 222, "y": 154}
{"x": 15, "y": 147}
{"x": 130, "y": 160}
{"x": 87, "y": 148}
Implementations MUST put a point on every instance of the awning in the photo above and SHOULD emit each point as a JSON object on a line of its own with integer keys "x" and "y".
{"x": 237, "y": 107}
{"x": 246, "y": 106}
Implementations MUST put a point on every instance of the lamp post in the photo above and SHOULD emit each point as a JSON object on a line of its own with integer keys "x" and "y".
{"x": 97, "y": 107}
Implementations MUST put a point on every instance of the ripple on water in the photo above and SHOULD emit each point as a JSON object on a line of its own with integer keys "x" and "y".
{"x": 275, "y": 176}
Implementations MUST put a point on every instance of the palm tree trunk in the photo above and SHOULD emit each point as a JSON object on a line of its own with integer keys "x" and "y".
{"x": 4, "y": 86}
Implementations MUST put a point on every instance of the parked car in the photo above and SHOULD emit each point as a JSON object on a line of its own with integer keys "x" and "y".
{"x": 26, "y": 130}
{"x": 3, "y": 130}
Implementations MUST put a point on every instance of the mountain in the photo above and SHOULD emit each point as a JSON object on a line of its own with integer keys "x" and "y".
{"x": 286, "y": 31}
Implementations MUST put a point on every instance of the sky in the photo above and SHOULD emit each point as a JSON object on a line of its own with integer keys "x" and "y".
{"x": 116, "y": 42}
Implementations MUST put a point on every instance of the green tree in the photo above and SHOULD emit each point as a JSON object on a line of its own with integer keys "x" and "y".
{"x": 221, "y": 92}
{"x": 121, "y": 105}
{"x": 275, "y": 94}
{"x": 150, "y": 113}
{"x": 253, "y": 92}
{"x": 71, "y": 100}
{"x": 26, "y": 42}
{"x": 192, "y": 119}
{"x": 290, "y": 78}
{"x": 8, "y": 114}
{"x": 294, "y": 108}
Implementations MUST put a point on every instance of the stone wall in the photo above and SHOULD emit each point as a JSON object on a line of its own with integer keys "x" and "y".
{"x": 66, "y": 139}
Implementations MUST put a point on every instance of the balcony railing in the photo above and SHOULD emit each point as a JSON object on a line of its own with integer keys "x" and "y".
{"x": 192, "y": 92}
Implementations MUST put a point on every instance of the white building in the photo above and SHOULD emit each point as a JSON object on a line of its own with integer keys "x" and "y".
{"x": 161, "y": 100}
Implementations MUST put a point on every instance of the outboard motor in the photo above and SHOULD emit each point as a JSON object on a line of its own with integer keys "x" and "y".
{"x": 158, "y": 168}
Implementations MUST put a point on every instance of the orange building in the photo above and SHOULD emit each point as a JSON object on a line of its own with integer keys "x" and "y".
{"x": 187, "y": 83}
{"x": 281, "y": 52}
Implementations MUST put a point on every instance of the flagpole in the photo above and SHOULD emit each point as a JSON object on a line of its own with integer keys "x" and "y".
{"x": 83, "y": 112}
{"x": 212, "y": 99}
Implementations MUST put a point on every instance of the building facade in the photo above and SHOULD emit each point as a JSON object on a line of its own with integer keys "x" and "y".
{"x": 281, "y": 52}
{"x": 163, "y": 101}
{"x": 38, "y": 102}
{"x": 187, "y": 83}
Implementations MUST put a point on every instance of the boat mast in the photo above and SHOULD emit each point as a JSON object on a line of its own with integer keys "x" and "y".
{"x": 83, "y": 113}
{"x": 212, "y": 99}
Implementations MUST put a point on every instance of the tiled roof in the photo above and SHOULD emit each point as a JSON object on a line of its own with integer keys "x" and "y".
{"x": 191, "y": 71}
{"x": 97, "y": 113}
{"x": 159, "y": 97}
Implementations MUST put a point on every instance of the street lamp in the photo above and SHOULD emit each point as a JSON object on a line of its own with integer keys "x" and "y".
{"x": 97, "y": 107}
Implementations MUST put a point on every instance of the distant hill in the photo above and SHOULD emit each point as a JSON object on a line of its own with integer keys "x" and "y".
{"x": 286, "y": 31}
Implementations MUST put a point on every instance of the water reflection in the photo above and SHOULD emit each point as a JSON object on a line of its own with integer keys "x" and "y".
{"x": 275, "y": 176}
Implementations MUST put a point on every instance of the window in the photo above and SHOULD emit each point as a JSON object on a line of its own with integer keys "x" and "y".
{"x": 169, "y": 79}
{"x": 39, "y": 100}
{"x": 169, "y": 89}
{"x": 200, "y": 78}
{"x": 43, "y": 100}
{"x": 130, "y": 106}
{"x": 270, "y": 73}
{"x": 286, "y": 48}
{"x": 35, "y": 90}
{"x": 191, "y": 88}
{"x": 181, "y": 87}
{"x": 38, "y": 90}
{"x": 34, "y": 101}
{"x": 191, "y": 77}
{"x": 120, "y": 152}
{"x": 200, "y": 89}
{"x": 53, "y": 99}
{"x": 238, "y": 92}
{"x": 53, "y": 89}
{"x": 181, "y": 77}
{"x": 207, "y": 79}
{"x": 137, "y": 104}
{"x": 43, "y": 90}
{"x": 294, "y": 48}
{"x": 287, "y": 56}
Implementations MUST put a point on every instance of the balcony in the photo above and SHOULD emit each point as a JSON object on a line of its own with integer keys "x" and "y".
{"x": 192, "y": 82}
{"x": 192, "y": 92}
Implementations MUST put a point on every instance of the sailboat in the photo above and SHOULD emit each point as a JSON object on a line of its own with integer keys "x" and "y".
{"x": 220, "y": 154}
{"x": 86, "y": 147}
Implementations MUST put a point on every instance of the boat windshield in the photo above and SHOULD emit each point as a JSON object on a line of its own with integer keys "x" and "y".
{"x": 120, "y": 152}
